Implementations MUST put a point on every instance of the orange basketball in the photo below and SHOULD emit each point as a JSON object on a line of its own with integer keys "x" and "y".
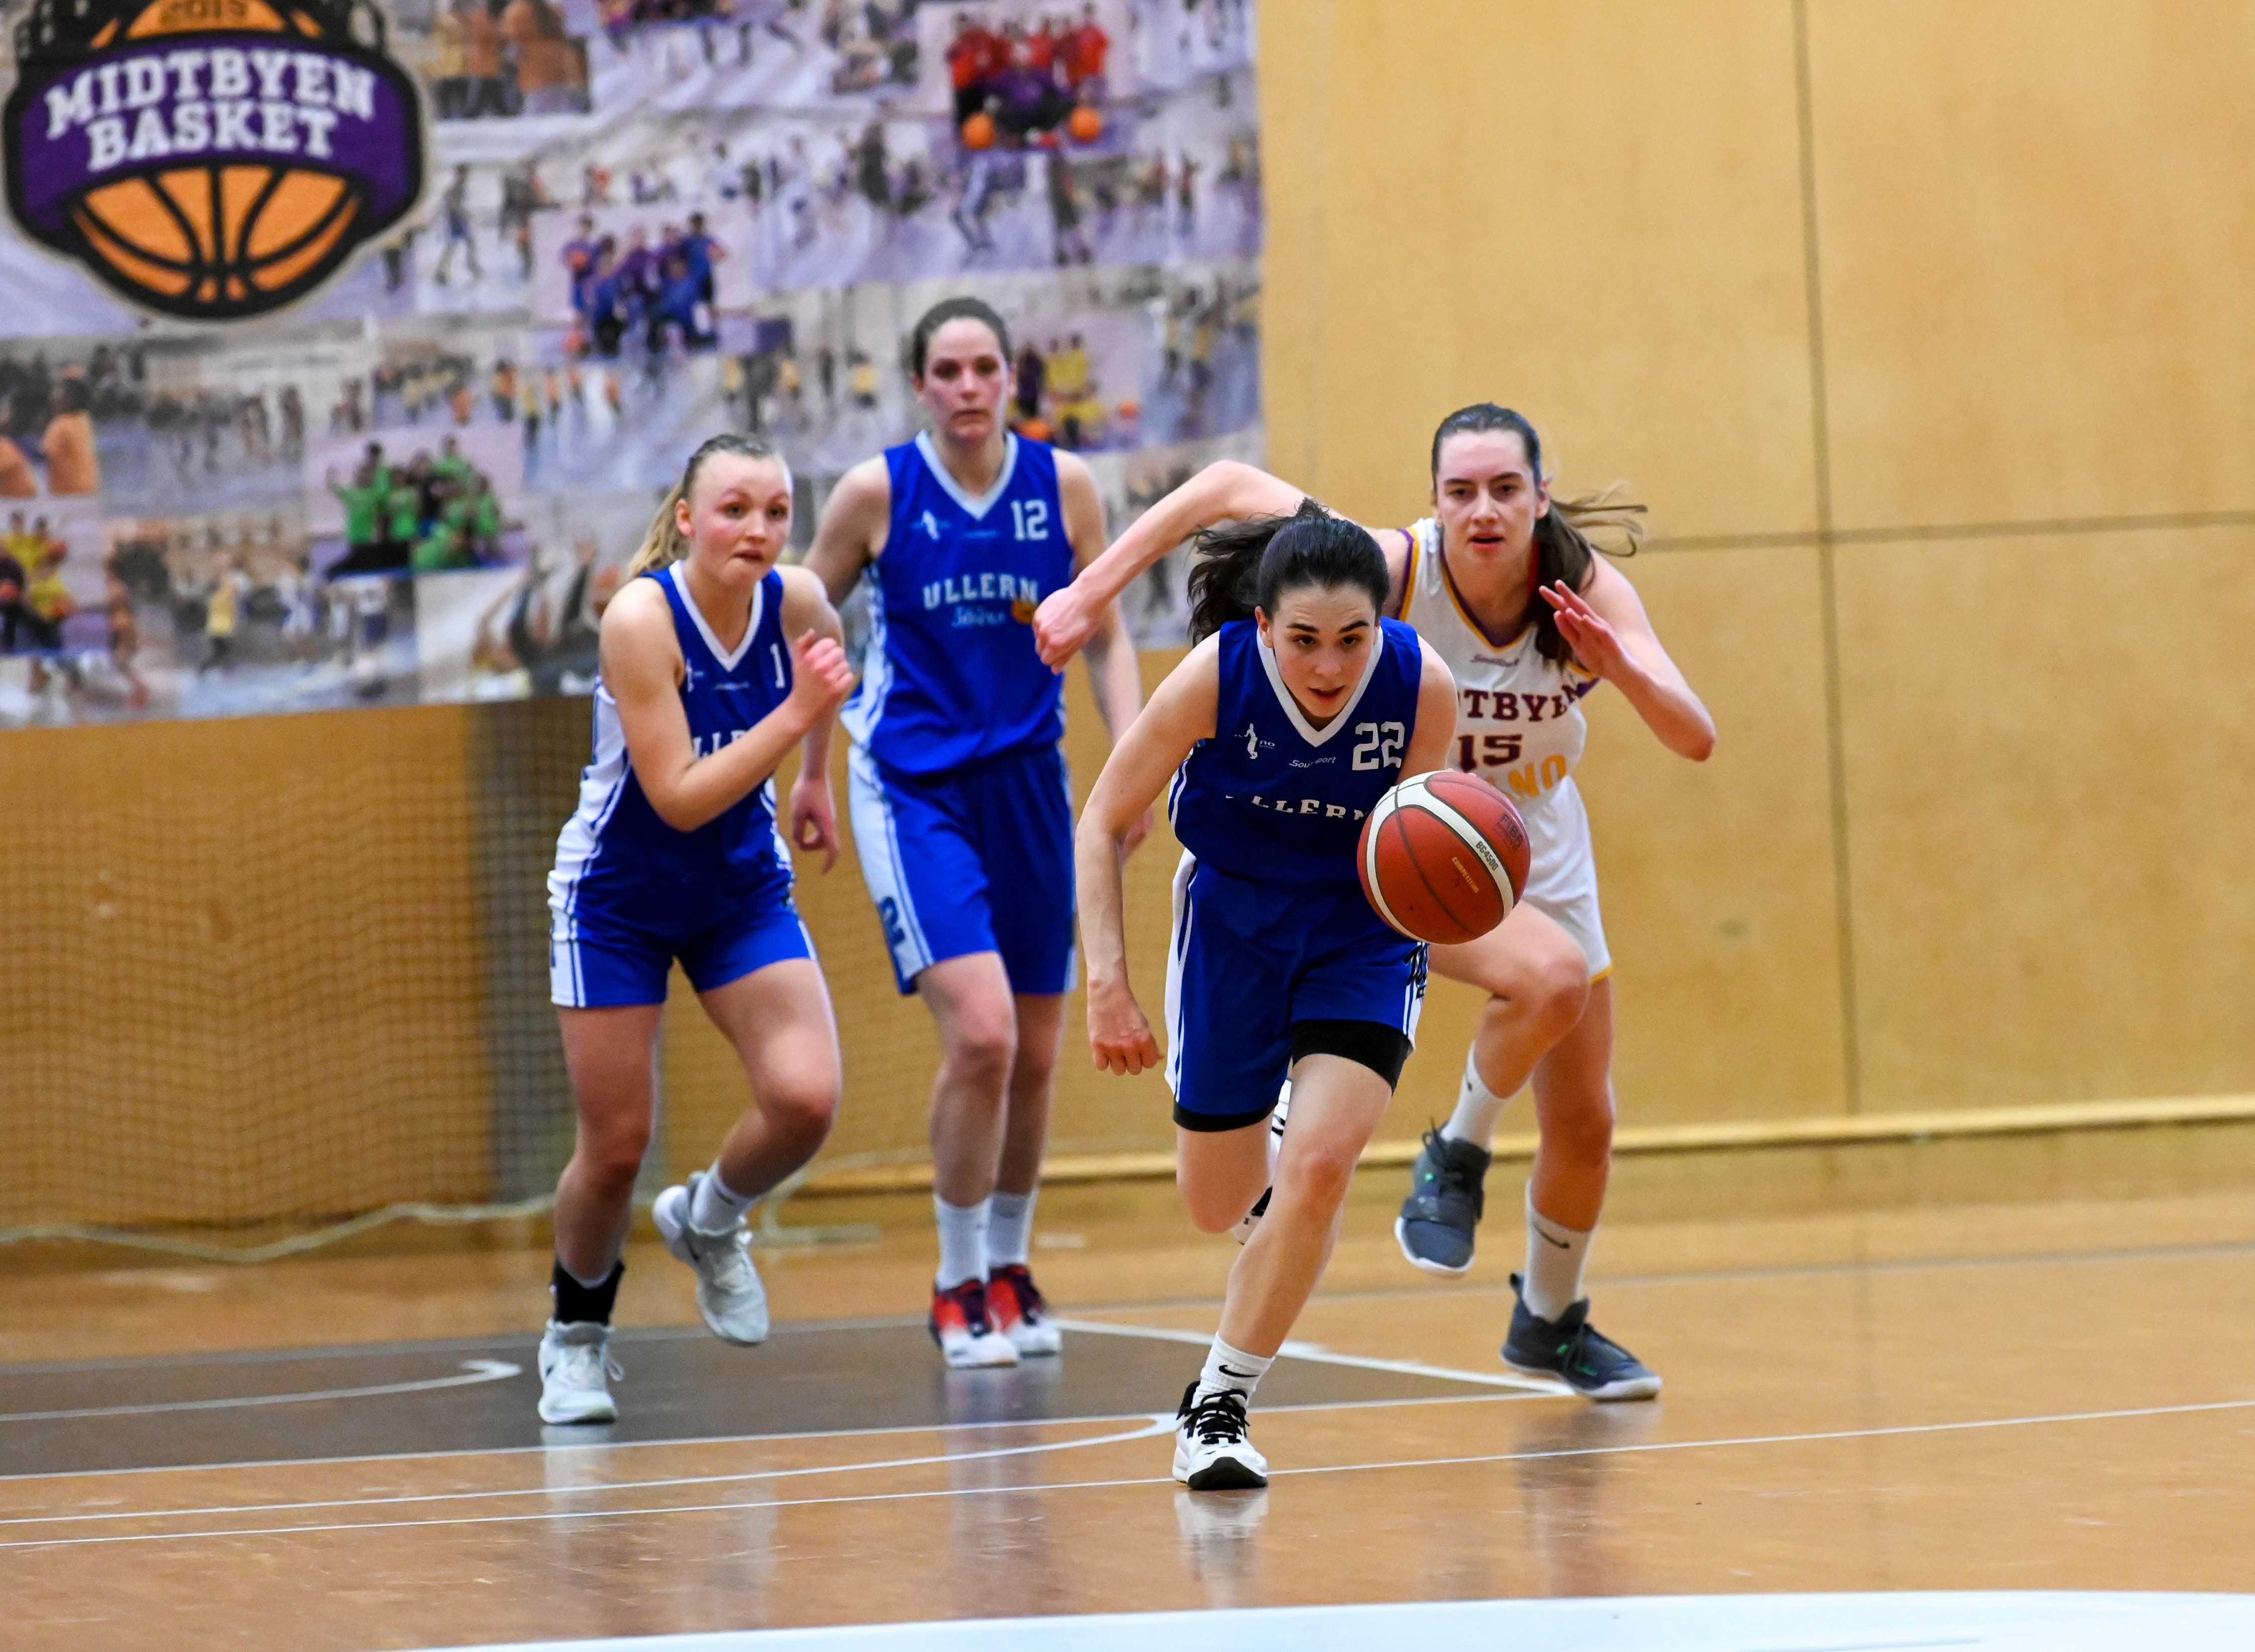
{"x": 979, "y": 132}
{"x": 218, "y": 234}
{"x": 1444, "y": 857}
{"x": 1085, "y": 125}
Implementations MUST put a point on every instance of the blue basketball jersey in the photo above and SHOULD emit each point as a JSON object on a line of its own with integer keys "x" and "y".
{"x": 615, "y": 851}
{"x": 951, "y": 676}
{"x": 1271, "y": 799}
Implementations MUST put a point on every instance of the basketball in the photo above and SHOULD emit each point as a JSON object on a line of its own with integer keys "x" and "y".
{"x": 1085, "y": 125}
{"x": 218, "y": 234}
{"x": 1444, "y": 857}
{"x": 979, "y": 132}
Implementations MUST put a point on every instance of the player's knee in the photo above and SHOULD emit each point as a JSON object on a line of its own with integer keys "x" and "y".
{"x": 1213, "y": 1208}
{"x": 803, "y": 1109}
{"x": 982, "y": 1046}
{"x": 611, "y": 1158}
{"x": 1556, "y": 989}
{"x": 1316, "y": 1178}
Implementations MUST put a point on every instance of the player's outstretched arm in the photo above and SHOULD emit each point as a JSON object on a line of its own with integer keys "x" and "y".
{"x": 642, "y": 668}
{"x": 1435, "y": 737}
{"x": 1113, "y": 673}
{"x": 851, "y": 533}
{"x": 814, "y": 821}
{"x": 1611, "y": 634}
{"x": 1224, "y": 491}
{"x": 1181, "y": 714}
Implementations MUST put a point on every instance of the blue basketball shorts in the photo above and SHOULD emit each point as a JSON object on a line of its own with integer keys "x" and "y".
{"x": 1249, "y": 962}
{"x": 604, "y": 954}
{"x": 976, "y": 859}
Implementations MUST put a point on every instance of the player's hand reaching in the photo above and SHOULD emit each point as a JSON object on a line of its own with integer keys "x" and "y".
{"x": 1596, "y": 644}
{"x": 820, "y": 678}
{"x": 1119, "y": 1037}
{"x": 1063, "y": 624}
{"x": 814, "y": 817}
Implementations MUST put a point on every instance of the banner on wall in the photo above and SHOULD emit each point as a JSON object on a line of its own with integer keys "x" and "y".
{"x": 349, "y": 346}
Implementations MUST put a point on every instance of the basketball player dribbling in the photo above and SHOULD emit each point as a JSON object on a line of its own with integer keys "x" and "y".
{"x": 961, "y": 810}
{"x": 1530, "y": 620}
{"x": 1297, "y": 710}
{"x": 714, "y": 663}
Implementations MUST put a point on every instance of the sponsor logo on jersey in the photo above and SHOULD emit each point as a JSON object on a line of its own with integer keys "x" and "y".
{"x": 1253, "y": 745}
{"x": 991, "y": 585}
{"x": 1313, "y": 808}
{"x": 932, "y": 527}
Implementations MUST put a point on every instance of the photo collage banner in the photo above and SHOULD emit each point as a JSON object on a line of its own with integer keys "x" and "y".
{"x": 346, "y": 349}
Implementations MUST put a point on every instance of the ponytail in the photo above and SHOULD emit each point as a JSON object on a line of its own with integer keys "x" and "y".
{"x": 1246, "y": 565}
{"x": 665, "y": 544}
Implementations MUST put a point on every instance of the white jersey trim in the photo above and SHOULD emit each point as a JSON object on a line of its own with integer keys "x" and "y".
{"x": 977, "y": 505}
{"x": 1307, "y": 730}
{"x": 728, "y": 661}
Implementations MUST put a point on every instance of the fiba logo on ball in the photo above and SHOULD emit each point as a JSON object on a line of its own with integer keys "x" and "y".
{"x": 210, "y": 159}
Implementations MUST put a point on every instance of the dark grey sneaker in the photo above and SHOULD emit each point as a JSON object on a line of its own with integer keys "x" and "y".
{"x": 1572, "y": 1351}
{"x": 1447, "y": 1192}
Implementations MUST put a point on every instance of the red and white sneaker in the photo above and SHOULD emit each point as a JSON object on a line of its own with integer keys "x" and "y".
{"x": 1015, "y": 1307}
{"x": 966, "y": 1336}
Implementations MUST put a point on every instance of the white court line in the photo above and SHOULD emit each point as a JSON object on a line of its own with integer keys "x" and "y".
{"x": 1319, "y": 1354}
{"x": 599, "y": 1487}
{"x": 473, "y": 1372}
{"x": 1315, "y": 1352}
{"x": 1160, "y": 1424}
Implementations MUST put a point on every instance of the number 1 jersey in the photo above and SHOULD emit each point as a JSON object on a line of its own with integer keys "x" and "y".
{"x": 1273, "y": 800}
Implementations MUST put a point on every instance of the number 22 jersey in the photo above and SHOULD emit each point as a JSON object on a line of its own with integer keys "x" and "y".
{"x": 1270, "y": 798}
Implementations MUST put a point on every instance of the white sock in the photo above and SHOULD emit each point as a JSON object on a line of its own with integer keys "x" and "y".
{"x": 962, "y": 1241}
{"x": 718, "y": 1207}
{"x": 1478, "y": 1109}
{"x": 1556, "y": 1257}
{"x": 1233, "y": 1370}
{"x": 1009, "y": 1227}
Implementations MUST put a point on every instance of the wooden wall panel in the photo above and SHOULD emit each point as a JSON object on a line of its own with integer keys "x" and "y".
{"x": 2037, "y": 242}
{"x": 1590, "y": 211}
{"x": 239, "y": 974}
{"x": 2051, "y": 766}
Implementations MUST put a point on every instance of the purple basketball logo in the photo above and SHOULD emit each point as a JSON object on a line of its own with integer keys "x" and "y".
{"x": 211, "y": 160}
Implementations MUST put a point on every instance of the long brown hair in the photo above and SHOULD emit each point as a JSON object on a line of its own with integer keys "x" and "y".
{"x": 1565, "y": 546}
{"x": 665, "y": 544}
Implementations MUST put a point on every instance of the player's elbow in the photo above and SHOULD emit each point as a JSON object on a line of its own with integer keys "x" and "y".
{"x": 1699, "y": 744}
{"x": 671, "y": 806}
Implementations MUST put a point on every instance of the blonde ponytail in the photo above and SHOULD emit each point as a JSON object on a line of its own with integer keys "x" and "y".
{"x": 664, "y": 543}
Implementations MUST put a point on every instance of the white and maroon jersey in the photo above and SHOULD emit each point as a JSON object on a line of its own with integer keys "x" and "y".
{"x": 1518, "y": 715}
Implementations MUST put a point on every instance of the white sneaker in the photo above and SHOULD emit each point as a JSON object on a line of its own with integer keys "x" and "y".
{"x": 967, "y": 1337}
{"x": 1213, "y": 1452}
{"x": 1251, "y": 1220}
{"x": 730, "y": 1293}
{"x": 575, "y": 1371}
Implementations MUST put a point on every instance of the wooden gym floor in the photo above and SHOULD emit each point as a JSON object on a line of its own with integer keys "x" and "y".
{"x": 2041, "y": 1403}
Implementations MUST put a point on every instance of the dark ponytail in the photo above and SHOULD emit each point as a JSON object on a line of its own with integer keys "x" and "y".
{"x": 1249, "y": 564}
{"x": 1564, "y": 548}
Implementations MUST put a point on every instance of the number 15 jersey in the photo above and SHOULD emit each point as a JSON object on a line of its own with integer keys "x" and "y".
{"x": 1273, "y": 799}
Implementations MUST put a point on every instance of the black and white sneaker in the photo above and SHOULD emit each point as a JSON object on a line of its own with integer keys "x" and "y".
{"x": 1572, "y": 1351}
{"x": 1447, "y": 1193}
{"x": 1214, "y": 1452}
